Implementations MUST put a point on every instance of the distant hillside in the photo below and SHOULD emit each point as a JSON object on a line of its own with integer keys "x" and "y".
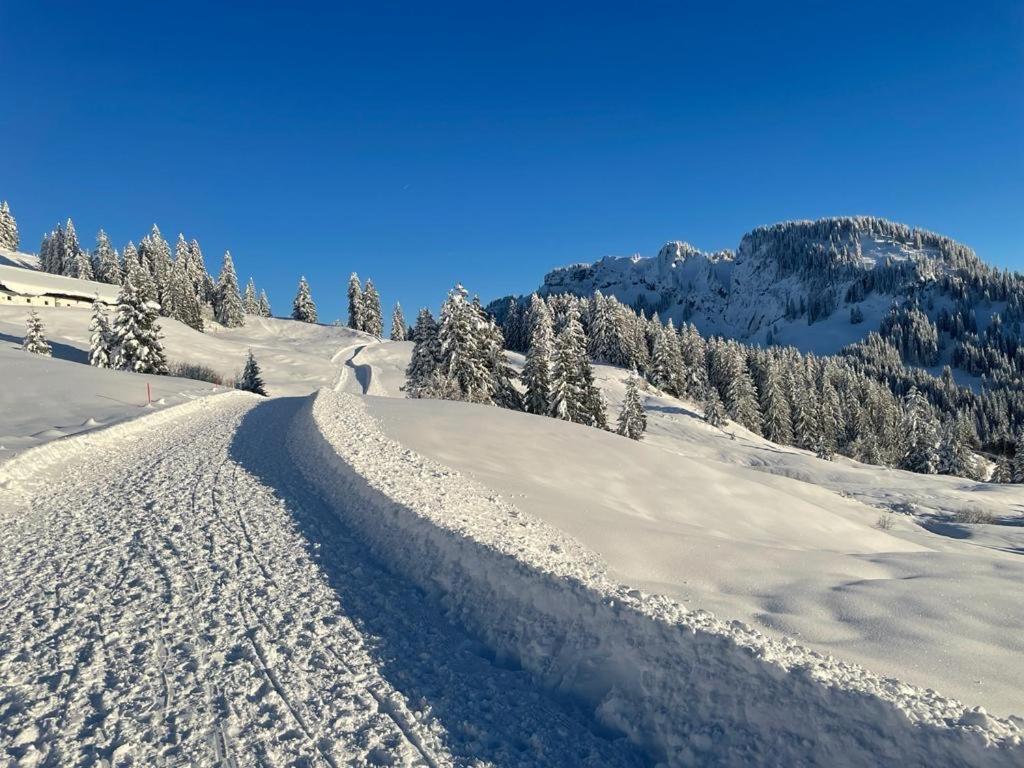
{"x": 823, "y": 285}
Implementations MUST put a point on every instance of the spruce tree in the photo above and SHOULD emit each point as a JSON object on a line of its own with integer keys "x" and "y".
{"x": 156, "y": 253}
{"x": 537, "y": 369}
{"x": 355, "y": 303}
{"x": 955, "y": 456}
{"x": 1001, "y": 472}
{"x": 251, "y": 380}
{"x": 99, "y": 337}
{"x": 426, "y": 356}
{"x": 8, "y": 228}
{"x": 76, "y": 261}
{"x": 714, "y": 410}
{"x": 1017, "y": 466}
{"x": 303, "y": 307}
{"x": 35, "y": 337}
{"x": 106, "y": 265}
{"x": 632, "y": 421}
{"x": 250, "y": 303}
{"x": 264, "y": 305}
{"x": 465, "y": 363}
{"x": 181, "y": 294}
{"x": 397, "y": 323}
{"x": 136, "y": 333}
{"x": 574, "y": 397}
{"x": 920, "y": 429}
{"x": 201, "y": 280}
{"x": 228, "y": 306}
{"x": 373, "y": 320}
{"x": 777, "y": 424}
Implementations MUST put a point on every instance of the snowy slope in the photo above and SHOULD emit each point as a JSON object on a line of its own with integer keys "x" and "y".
{"x": 18, "y": 259}
{"x": 771, "y": 535}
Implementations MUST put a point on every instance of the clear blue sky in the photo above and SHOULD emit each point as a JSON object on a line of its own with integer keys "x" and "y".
{"x": 423, "y": 143}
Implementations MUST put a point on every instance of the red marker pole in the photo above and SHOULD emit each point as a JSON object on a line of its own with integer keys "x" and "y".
{"x": 149, "y": 394}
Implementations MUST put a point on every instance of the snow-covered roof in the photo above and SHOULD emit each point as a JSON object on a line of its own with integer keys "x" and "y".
{"x": 31, "y": 282}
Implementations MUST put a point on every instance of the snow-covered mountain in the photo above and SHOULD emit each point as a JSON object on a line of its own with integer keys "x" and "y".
{"x": 818, "y": 285}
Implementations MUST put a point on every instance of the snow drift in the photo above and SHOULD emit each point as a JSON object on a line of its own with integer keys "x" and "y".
{"x": 682, "y": 684}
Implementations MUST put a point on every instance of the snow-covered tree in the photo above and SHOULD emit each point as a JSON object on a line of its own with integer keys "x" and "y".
{"x": 251, "y": 380}
{"x": 106, "y": 264}
{"x": 8, "y": 228}
{"x": 76, "y": 261}
{"x": 303, "y": 307}
{"x": 955, "y": 456}
{"x": 204, "y": 285}
{"x": 574, "y": 397}
{"x": 155, "y": 253}
{"x": 181, "y": 297}
{"x": 99, "y": 337}
{"x": 264, "y": 305}
{"x": 355, "y": 303}
{"x": 136, "y": 333}
{"x": 1017, "y": 466}
{"x": 398, "y": 328}
{"x": 921, "y": 433}
{"x": 426, "y": 356}
{"x": 537, "y": 369}
{"x": 250, "y": 303}
{"x": 228, "y": 305}
{"x": 1002, "y": 472}
{"x": 35, "y": 336}
{"x": 464, "y": 361}
{"x": 51, "y": 251}
{"x": 714, "y": 410}
{"x": 632, "y": 421}
{"x": 373, "y": 320}
{"x": 775, "y": 407}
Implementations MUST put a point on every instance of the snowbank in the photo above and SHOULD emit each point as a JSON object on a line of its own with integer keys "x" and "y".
{"x": 686, "y": 686}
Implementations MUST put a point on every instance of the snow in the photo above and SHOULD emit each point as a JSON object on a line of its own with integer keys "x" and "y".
{"x": 18, "y": 259}
{"x": 763, "y": 533}
{"x": 416, "y": 582}
{"x": 174, "y": 594}
{"x": 686, "y": 686}
{"x": 30, "y": 282}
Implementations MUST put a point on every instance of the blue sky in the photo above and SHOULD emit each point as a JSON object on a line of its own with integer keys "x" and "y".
{"x": 423, "y": 143}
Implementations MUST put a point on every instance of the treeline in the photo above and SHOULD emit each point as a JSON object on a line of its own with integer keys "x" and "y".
{"x": 461, "y": 356}
{"x": 178, "y": 283}
{"x": 864, "y": 403}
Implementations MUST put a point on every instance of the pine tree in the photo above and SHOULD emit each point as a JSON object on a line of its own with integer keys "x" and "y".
{"x": 251, "y": 380}
{"x": 573, "y": 394}
{"x": 920, "y": 429}
{"x": 303, "y": 307}
{"x": 99, "y": 337}
{"x": 201, "y": 281}
{"x": 355, "y": 303}
{"x": 136, "y": 333}
{"x": 1002, "y": 472}
{"x": 775, "y": 407}
{"x": 76, "y": 261}
{"x": 632, "y": 419}
{"x": 955, "y": 456}
{"x": 264, "y": 305}
{"x": 106, "y": 266}
{"x": 373, "y": 320}
{"x": 537, "y": 369}
{"x": 155, "y": 253}
{"x": 49, "y": 260}
{"x": 1017, "y": 466}
{"x": 426, "y": 356}
{"x": 183, "y": 301}
{"x": 250, "y": 303}
{"x": 714, "y": 410}
{"x": 228, "y": 306}
{"x": 397, "y": 324}
{"x": 8, "y": 228}
{"x": 465, "y": 363}
{"x": 35, "y": 337}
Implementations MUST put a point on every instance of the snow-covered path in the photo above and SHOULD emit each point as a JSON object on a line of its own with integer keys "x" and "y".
{"x": 181, "y": 598}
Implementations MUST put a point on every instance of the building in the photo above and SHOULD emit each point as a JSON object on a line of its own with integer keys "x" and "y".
{"x": 32, "y": 287}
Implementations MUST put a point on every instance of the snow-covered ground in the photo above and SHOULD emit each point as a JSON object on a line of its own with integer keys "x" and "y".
{"x": 44, "y": 399}
{"x": 234, "y": 612}
{"x": 767, "y": 534}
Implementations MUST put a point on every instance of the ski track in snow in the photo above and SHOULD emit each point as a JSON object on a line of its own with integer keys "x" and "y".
{"x": 180, "y": 597}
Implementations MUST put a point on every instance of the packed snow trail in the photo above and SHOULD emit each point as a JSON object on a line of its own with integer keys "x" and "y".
{"x": 178, "y": 597}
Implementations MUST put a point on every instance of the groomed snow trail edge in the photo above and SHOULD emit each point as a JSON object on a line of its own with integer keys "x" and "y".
{"x": 686, "y": 686}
